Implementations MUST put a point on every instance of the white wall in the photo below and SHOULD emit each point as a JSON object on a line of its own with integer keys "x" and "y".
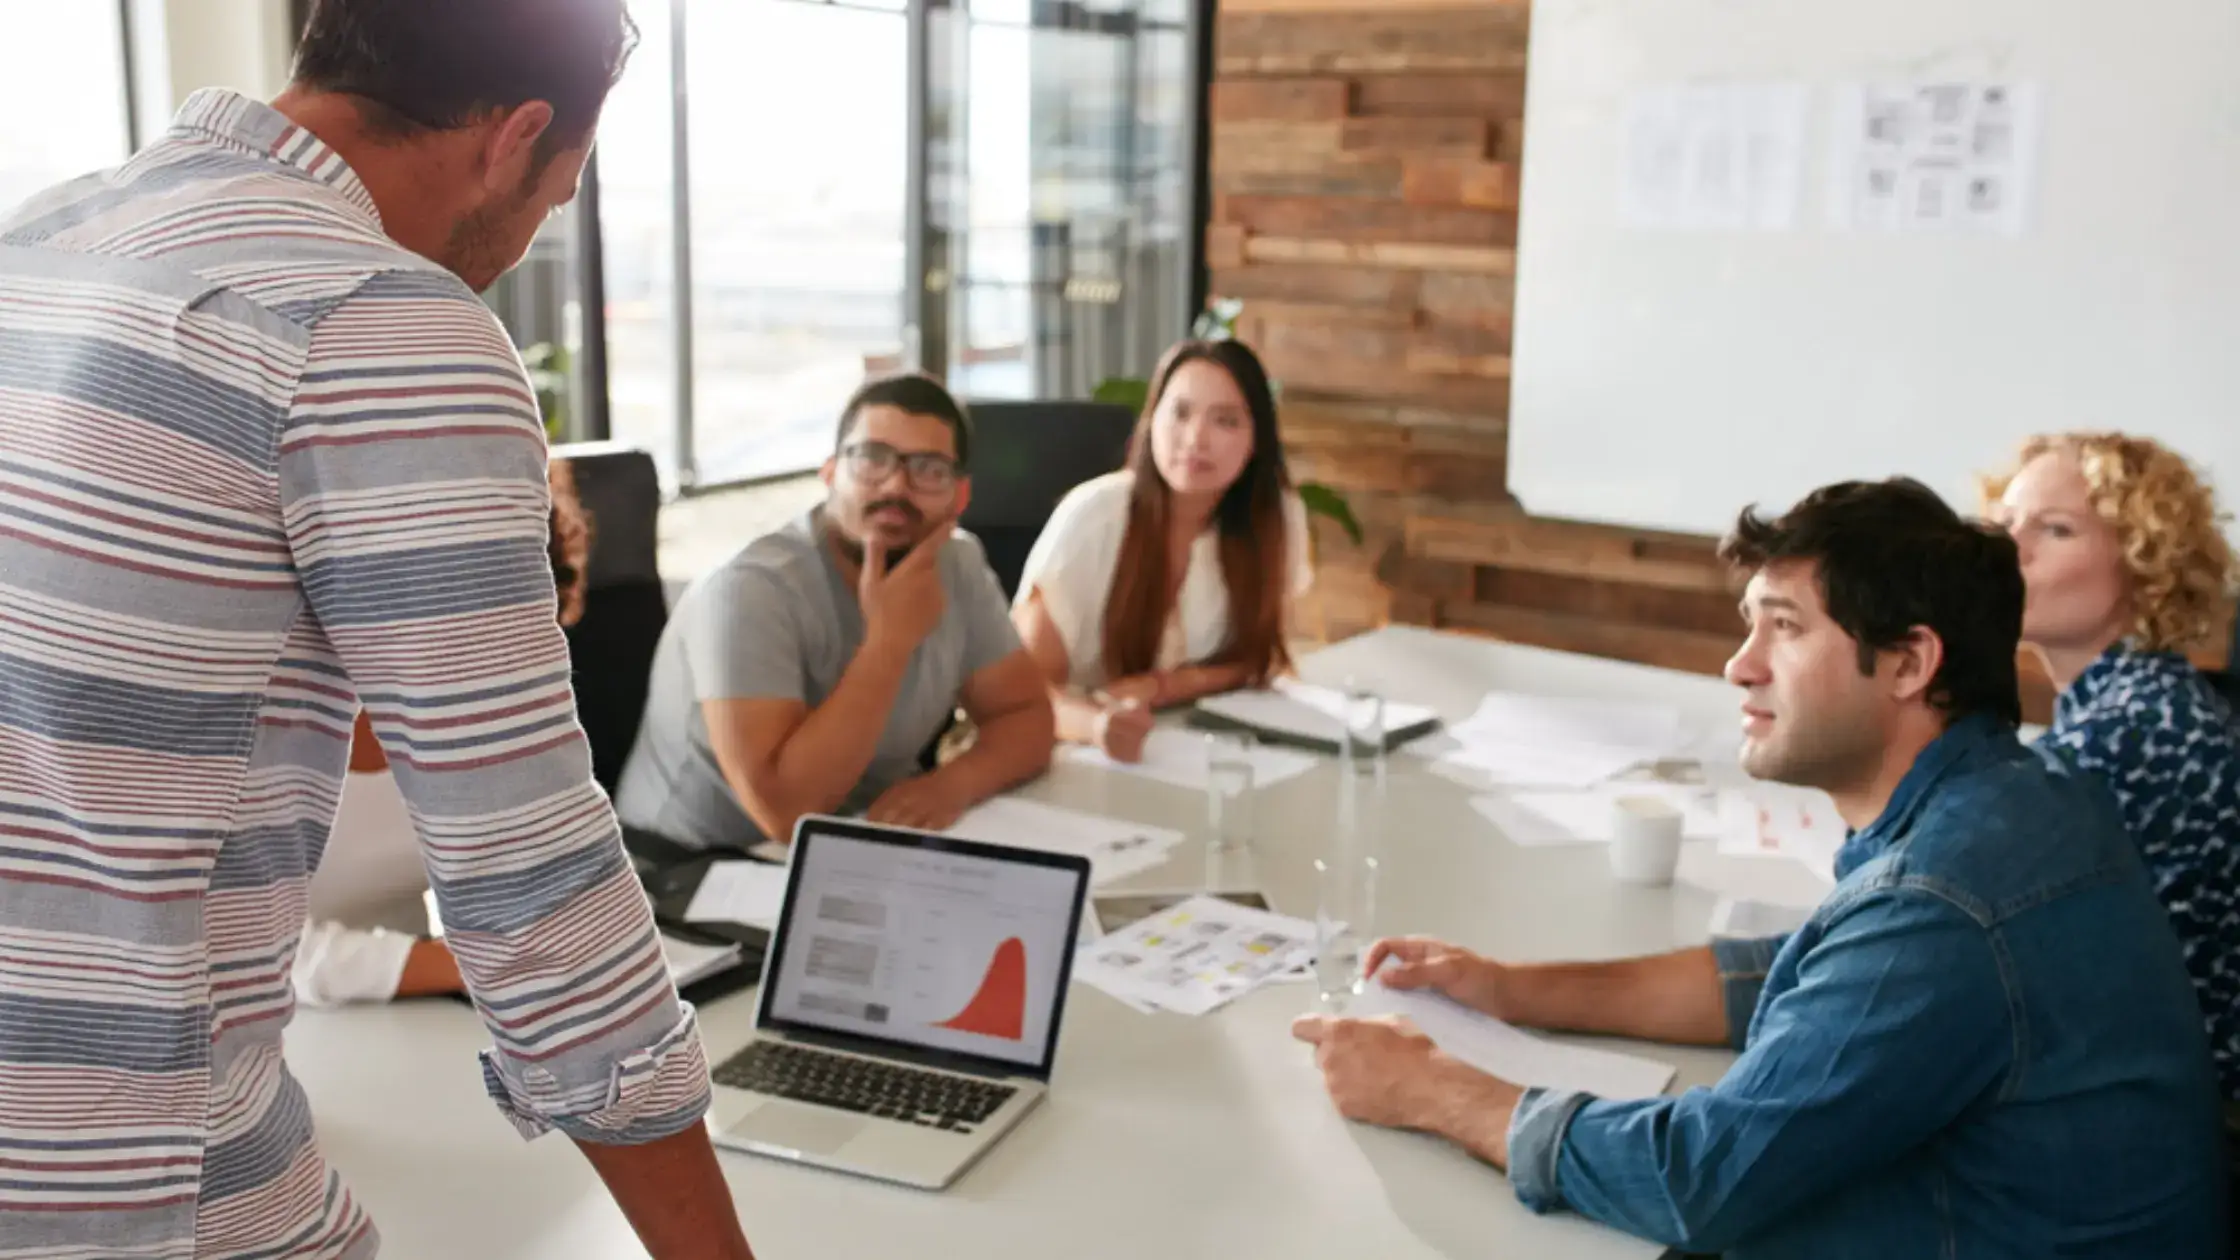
{"x": 240, "y": 44}
{"x": 1666, "y": 378}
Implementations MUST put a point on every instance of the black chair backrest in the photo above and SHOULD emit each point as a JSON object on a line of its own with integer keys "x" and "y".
{"x": 625, "y": 608}
{"x": 1025, "y": 457}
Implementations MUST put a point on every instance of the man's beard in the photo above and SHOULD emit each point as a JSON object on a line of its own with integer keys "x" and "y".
{"x": 855, "y": 551}
{"x": 472, "y": 252}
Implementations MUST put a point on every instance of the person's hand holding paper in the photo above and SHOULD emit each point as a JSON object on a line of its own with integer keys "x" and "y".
{"x": 1386, "y": 1072}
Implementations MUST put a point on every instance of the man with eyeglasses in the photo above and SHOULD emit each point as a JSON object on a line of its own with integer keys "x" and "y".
{"x": 814, "y": 671}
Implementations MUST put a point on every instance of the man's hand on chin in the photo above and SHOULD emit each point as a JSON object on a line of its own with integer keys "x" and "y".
{"x": 929, "y": 802}
{"x": 1385, "y": 1072}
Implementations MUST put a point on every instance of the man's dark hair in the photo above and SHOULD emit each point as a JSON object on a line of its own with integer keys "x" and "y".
{"x": 1891, "y": 556}
{"x": 436, "y": 65}
{"x": 918, "y": 394}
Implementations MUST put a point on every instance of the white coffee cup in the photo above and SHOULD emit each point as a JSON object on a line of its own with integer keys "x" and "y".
{"x": 1645, "y": 839}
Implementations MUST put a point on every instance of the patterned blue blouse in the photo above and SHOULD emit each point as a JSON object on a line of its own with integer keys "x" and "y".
{"x": 2151, "y": 727}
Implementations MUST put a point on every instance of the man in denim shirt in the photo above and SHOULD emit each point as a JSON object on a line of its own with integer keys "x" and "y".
{"x": 1983, "y": 1043}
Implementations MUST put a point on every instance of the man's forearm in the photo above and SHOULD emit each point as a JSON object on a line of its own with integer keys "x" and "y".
{"x": 827, "y": 755}
{"x": 1009, "y": 749}
{"x": 1666, "y": 997}
{"x": 673, "y": 1194}
{"x": 1473, "y": 1111}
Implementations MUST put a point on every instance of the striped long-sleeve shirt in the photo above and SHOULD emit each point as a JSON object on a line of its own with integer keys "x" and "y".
{"x": 259, "y": 466}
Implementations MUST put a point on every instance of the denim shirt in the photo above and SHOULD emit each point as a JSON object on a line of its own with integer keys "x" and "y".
{"x": 2151, "y": 728}
{"x": 1982, "y": 1044}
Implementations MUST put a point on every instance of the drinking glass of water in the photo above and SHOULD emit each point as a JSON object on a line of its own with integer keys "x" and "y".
{"x": 1229, "y": 785}
{"x": 1346, "y": 873}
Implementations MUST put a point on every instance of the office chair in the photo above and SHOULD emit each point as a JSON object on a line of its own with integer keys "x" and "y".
{"x": 610, "y": 651}
{"x": 1025, "y": 457}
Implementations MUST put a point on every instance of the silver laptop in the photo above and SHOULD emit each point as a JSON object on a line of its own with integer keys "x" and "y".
{"x": 910, "y": 1002}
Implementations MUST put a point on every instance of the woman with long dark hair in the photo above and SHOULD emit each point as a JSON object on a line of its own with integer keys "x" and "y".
{"x": 1171, "y": 579}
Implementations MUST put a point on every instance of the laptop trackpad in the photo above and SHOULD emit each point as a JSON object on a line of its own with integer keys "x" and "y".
{"x": 794, "y": 1127}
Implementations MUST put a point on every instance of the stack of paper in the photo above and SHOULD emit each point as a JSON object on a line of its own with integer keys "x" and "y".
{"x": 690, "y": 961}
{"x": 1196, "y": 957}
{"x": 1179, "y": 757}
{"x": 1115, "y": 849}
{"x": 1589, "y": 815}
{"x": 739, "y": 892}
{"x": 1547, "y": 741}
{"x": 1518, "y": 1057}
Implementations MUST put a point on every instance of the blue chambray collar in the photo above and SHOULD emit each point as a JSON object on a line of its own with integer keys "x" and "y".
{"x": 1962, "y": 743}
{"x": 236, "y": 119}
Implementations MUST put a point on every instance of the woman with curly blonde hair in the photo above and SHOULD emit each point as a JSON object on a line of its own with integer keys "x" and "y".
{"x": 2127, "y": 569}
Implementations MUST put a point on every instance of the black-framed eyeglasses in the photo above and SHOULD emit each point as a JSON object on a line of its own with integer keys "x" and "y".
{"x": 876, "y": 461}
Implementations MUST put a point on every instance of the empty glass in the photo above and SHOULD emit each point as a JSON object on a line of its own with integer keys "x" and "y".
{"x": 1346, "y": 873}
{"x": 1229, "y": 791}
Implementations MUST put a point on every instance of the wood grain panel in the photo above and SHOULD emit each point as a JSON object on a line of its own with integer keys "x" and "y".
{"x": 1254, "y": 100}
{"x": 1471, "y": 138}
{"x": 1376, "y": 41}
{"x": 1458, "y": 297}
{"x": 1370, "y": 221}
{"x": 1693, "y": 651}
{"x": 1384, "y": 288}
{"x": 1663, "y": 561}
{"x": 1348, "y": 6}
{"x": 1497, "y": 96}
{"x": 1488, "y": 260}
{"x": 1448, "y": 182}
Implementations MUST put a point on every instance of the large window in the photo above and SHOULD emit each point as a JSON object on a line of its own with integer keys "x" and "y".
{"x": 1067, "y": 160}
{"x": 996, "y": 191}
{"x": 63, "y": 105}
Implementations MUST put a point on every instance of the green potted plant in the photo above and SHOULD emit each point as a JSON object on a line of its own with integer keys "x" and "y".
{"x": 548, "y": 375}
{"x": 1219, "y": 323}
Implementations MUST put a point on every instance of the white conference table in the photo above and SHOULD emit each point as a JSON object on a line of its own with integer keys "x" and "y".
{"x": 1163, "y": 1135}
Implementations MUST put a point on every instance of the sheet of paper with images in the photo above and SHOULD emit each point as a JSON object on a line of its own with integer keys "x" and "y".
{"x": 1751, "y": 878}
{"x": 1715, "y": 157}
{"x": 1937, "y": 157}
{"x": 752, "y": 893}
{"x": 1518, "y": 1057}
{"x": 1178, "y": 757}
{"x": 1774, "y": 820}
{"x": 1116, "y": 849}
{"x": 1588, "y": 816}
{"x": 1197, "y": 956}
{"x": 1554, "y": 742}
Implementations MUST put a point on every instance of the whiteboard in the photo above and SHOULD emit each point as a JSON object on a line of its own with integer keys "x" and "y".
{"x": 1664, "y": 379}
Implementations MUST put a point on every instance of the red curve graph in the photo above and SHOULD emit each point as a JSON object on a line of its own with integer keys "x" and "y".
{"x": 999, "y": 1009}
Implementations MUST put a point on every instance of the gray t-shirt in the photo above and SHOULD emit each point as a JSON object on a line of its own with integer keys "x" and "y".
{"x": 779, "y": 621}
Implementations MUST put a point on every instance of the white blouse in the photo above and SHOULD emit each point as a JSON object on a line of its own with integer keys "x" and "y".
{"x": 371, "y": 870}
{"x": 1078, "y": 555}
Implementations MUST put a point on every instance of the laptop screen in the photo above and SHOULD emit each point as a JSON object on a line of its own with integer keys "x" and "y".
{"x": 925, "y": 941}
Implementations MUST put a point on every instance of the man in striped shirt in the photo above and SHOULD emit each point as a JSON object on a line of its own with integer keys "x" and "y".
{"x": 265, "y": 459}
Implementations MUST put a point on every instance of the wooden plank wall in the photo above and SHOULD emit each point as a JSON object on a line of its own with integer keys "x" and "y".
{"x": 1365, "y": 176}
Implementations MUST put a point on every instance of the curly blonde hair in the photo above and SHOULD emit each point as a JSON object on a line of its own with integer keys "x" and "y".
{"x": 2167, "y": 524}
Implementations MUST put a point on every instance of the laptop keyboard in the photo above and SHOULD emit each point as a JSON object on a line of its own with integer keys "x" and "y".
{"x": 935, "y": 1100}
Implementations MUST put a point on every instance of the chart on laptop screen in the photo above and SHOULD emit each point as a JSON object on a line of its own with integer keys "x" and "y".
{"x": 937, "y": 949}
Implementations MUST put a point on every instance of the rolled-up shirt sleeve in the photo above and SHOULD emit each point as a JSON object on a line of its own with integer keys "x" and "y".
{"x": 413, "y": 485}
{"x": 1898, "y": 1021}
